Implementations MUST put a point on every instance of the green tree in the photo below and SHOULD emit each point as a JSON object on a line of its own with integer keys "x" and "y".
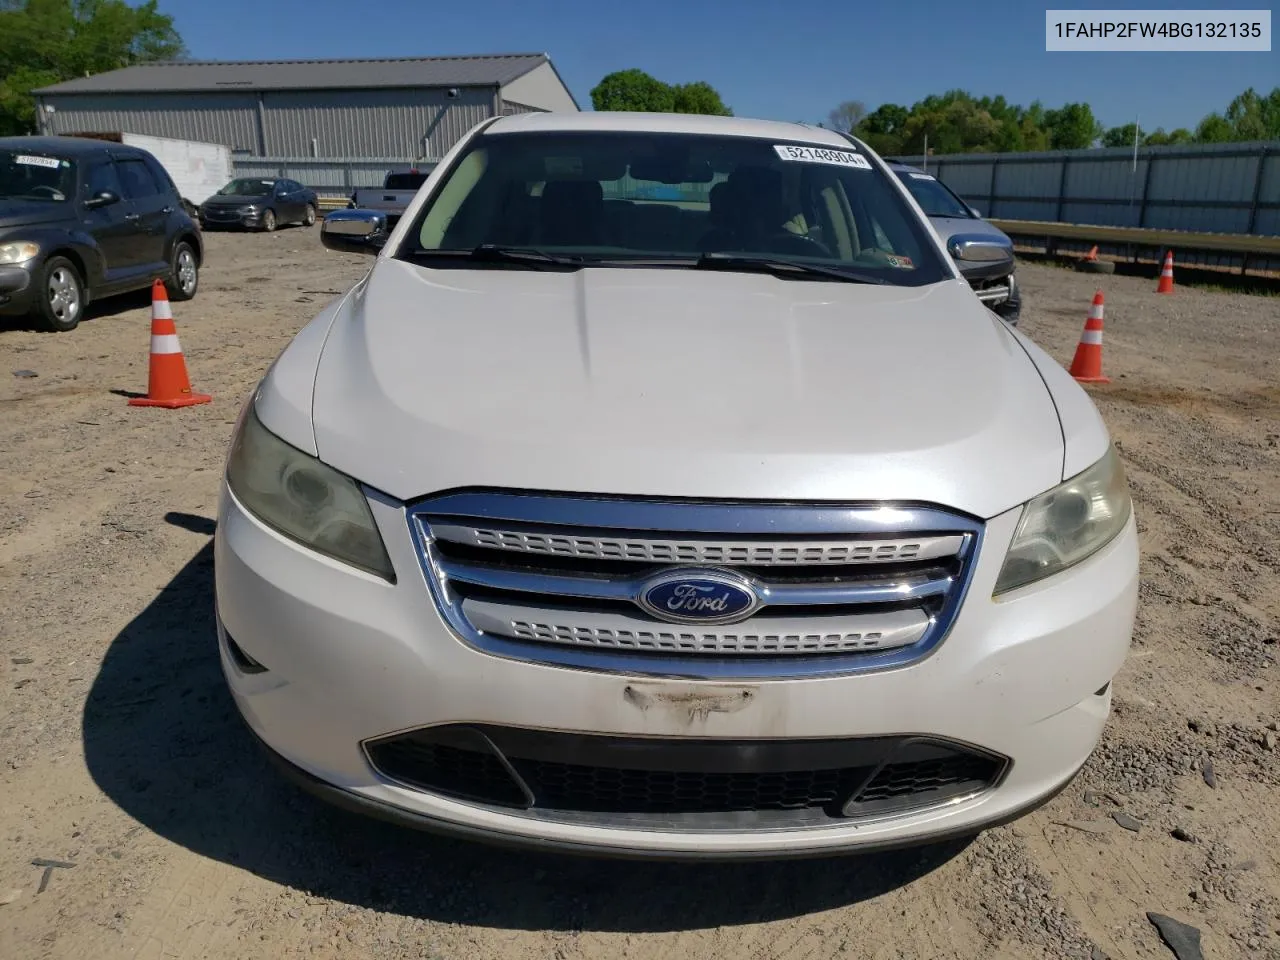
{"x": 1121, "y": 136}
{"x": 881, "y": 129}
{"x": 1270, "y": 107}
{"x": 47, "y": 41}
{"x": 1247, "y": 115}
{"x": 886, "y": 118}
{"x": 1158, "y": 137}
{"x": 1215, "y": 128}
{"x": 632, "y": 90}
{"x": 956, "y": 121}
{"x": 1073, "y": 127}
{"x": 699, "y": 97}
{"x": 635, "y": 90}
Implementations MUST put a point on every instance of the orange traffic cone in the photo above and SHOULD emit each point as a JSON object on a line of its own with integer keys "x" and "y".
{"x": 1093, "y": 253}
{"x": 1166, "y": 275}
{"x": 167, "y": 384}
{"x": 1086, "y": 367}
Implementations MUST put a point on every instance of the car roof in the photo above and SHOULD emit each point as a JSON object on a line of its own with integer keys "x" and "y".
{"x": 66, "y": 146}
{"x": 622, "y": 121}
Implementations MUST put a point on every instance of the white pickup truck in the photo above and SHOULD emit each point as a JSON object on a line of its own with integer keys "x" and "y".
{"x": 392, "y": 197}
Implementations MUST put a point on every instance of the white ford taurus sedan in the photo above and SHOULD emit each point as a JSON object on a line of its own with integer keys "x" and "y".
{"x": 663, "y": 489}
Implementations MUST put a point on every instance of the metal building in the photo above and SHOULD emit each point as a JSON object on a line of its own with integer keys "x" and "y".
{"x": 361, "y": 112}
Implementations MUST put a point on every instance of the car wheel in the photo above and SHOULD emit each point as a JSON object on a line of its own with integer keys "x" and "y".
{"x": 61, "y": 296}
{"x": 184, "y": 277}
{"x": 309, "y": 218}
{"x": 269, "y": 221}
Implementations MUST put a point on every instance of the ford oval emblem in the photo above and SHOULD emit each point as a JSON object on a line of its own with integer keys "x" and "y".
{"x": 698, "y": 596}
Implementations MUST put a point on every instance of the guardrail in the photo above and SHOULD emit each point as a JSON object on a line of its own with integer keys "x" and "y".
{"x": 1245, "y": 251}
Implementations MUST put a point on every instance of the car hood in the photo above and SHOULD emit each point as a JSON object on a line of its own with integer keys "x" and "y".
{"x": 27, "y": 213}
{"x": 237, "y": 201}
{"x": 681, "y": 383}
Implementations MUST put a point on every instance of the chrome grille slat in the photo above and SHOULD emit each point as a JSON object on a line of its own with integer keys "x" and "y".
{"x": 888, "y": 590}
{"x": 565, "y": 581}
{"x": 710, "y": 551}
{"x": 760, "y": 635}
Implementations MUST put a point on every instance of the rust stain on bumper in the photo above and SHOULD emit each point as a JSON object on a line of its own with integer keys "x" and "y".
{"x": 690, "y": 704}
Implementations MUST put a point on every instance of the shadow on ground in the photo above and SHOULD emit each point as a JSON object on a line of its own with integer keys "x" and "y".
{"x": 162, "y": 738}
{"x": 98, "y": 310}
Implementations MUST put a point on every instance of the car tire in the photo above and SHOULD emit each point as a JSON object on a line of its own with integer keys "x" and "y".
{"x": 268, "y": 221}
{"x": 184, "y": 273}
{"x": 1096, "y": 266}
{"x": 309, "y": 217}
{"x": 62, "y": 296}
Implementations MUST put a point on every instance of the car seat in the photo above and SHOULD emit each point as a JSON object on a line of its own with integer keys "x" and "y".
{"x": 571, "y": 213}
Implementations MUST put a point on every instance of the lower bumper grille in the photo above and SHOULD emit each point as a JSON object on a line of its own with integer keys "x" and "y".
{"x": 702, "y": 784}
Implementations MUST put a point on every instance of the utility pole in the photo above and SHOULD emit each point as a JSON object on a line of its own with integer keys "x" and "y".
{"x": 1137, "y": 126}
{"x": 1133, "y": 173}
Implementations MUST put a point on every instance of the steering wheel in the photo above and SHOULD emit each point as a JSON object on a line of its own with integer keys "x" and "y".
{"x": 54, "y": 192}
{"x": 806, "y": 246}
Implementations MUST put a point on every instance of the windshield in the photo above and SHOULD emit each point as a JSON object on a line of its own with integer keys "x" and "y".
{"x": 405, "y": 181}
{"x": 609, "y": 198}
{"x": 28, "y": 176}
{"x": 247, "y": 187}
{"x": 934, "y": 199}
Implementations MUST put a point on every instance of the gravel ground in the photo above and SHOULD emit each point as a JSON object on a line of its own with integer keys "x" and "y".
{"x": 120, "y": 751}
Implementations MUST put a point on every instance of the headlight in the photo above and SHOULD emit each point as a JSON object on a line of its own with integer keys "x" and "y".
{"x": 1069, "y": 523}
{"x": 251, "y": 208}
{"x": 18, "y": 252}
{"x": 304, "y": 499}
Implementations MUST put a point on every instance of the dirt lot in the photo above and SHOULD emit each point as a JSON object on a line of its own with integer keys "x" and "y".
{"x": 120, "y": 751}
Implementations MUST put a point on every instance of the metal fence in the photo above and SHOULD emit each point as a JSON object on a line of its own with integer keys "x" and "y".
{"x": 1209, "y": 188}
{"x": 327, "y": 176}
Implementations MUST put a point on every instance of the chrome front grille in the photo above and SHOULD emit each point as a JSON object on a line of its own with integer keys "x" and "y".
{"x": 759, "y": 635}
{"x": 558, "y": 579}
{"x": 703, "y": 551}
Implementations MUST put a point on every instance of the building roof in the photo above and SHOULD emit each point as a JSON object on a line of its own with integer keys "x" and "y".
{"x": 669, "y": 123}
{"x": 213, "y": 75}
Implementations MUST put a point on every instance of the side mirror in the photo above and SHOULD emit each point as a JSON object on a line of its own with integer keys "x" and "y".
{"x": 103, "y": 198}
{"x": 979, "y": 249}
{"x": 354, "y": 231}
{"x": 974, "y": 211}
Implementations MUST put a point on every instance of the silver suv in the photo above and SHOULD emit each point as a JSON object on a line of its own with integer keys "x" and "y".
{"x": 995, "y": 281}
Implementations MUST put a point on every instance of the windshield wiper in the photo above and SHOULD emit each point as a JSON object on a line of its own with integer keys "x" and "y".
{"x": 496, "y": 253}
{"x": 781, "y": 267}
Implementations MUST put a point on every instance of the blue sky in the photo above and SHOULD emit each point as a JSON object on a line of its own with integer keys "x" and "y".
{"x": 779, "y": 59}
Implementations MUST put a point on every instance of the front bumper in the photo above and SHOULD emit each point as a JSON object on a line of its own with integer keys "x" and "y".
{"x": 18, "y": 287}
{"x": 237, "y": 218}
{"x": 350, "y": 658}
{"x": 994, "y": 283}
